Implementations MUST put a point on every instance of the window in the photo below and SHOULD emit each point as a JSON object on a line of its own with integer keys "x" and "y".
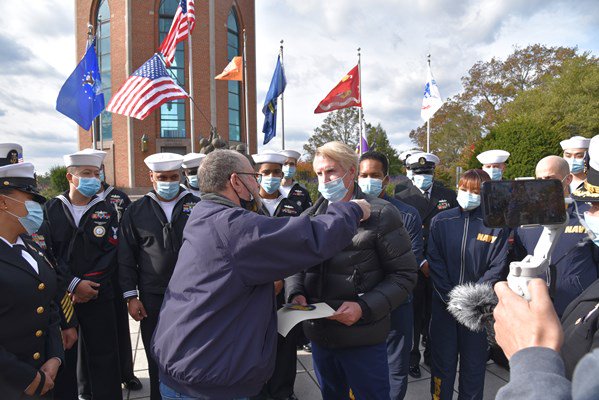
{"x": 234, "y": 86}
{"x": 104, "y": 126}
{"x": 172, "y": 114}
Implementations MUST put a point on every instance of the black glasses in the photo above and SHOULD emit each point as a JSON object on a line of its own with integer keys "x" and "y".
{"x": 256, "y": 175}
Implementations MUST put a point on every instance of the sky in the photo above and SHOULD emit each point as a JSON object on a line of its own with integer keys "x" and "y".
{"x": 37, "y": 53}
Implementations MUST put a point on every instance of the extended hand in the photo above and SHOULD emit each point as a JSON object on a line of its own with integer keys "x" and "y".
{"x": 365, "y": 206}
{"x": 348, "y": 314}
{"x": 136, "y": 309}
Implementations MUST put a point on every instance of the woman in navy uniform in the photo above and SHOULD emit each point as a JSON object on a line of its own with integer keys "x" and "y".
{"x": 476, "y": 254}
{"x": 31, "y": 349}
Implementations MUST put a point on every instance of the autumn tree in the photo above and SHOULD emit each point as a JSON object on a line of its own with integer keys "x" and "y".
{"x": 340, "y": 125}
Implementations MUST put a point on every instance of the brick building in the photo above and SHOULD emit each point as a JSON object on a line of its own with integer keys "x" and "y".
{"x": 128, "y": 33}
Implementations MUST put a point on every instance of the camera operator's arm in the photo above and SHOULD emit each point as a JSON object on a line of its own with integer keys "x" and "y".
{"x": 530, "y": 334}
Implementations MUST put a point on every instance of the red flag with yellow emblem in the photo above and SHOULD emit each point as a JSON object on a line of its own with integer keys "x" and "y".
{"x": 345, "y": 94}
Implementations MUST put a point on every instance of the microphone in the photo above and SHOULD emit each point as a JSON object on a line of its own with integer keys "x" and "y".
{"x": 472, "y": 305}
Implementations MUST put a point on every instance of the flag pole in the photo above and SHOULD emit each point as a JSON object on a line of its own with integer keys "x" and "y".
{"x": 191, "y": 109}
{"x": 245, "y": 90}
{"x": 282, "y": 105}
{"x": 360, "y": 89}
{"x": 90, "y": 38}
{"x": 428, "y": 121}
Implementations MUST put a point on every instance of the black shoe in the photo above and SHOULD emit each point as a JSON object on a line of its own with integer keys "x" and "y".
{"x": 307, "y": 348}
{"x": 133, "y": 384}
{"x": 415, "y": 371}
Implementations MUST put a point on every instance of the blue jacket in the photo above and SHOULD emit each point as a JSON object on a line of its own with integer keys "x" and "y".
{"x": 217, "y": 331}
{"x": 413, "y": 224}
{"x": 575, "y": 261}
{"x": 461, "y": 250}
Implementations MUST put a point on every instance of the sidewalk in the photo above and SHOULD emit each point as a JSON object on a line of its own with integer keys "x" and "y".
{"x": 306, "y": 385}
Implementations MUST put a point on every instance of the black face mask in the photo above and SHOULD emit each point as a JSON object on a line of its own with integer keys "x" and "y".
{"x": 252, "y": 204}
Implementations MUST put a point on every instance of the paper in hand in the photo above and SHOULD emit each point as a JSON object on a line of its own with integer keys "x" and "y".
{"x": 288, "y": 318}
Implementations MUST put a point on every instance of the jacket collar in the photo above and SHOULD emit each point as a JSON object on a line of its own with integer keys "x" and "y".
{"x": 218, "y": 199}
{"x": 12, "y": 256}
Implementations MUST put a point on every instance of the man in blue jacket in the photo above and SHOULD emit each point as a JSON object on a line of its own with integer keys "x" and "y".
{"x": 217, "y": 331}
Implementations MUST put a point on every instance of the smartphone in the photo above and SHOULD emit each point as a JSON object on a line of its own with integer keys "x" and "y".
{"x": 523, "y": 202}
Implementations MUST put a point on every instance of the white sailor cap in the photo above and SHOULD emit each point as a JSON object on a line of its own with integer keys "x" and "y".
{"x": 593, "y": 151}
{"x": 493, "y": 157}
{"x": 99, "y": 153}
{"x": 269, "y": 157}
{"x": 83, "y": 158}
{"x": 403, "y": 157}
{"x": 291, "y": 154}
{"x": 160, "y": 162}
{"x": 575, "y": 142}
{"x": 20, "y": 176}
{"x": 10, "y": 153}
{"x": 422, "y": 158}
{"x": 192, "y": 160}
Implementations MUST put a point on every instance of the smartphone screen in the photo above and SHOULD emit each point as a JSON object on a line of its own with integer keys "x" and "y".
{"x": 523, "y": 202}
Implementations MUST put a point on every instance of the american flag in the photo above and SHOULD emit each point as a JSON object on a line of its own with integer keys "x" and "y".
{"x": 182, "y": 26}
{"x": 148, "y": 88}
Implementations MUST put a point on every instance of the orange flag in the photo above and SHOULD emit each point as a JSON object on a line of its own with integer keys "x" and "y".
{"x": 233, "y": 71}
{"x": 345, "y": 94}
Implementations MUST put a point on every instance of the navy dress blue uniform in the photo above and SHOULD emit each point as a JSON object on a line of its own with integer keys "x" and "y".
{"x": 149, "y": 245}
{"x": 439, "y": 199}
{"x": 575, "y": 257}
{"x": 87, "y": 251}
{"x": 399, "y": 341}
{"x": 300, "y": 196}
{"x": 461, "y": 250}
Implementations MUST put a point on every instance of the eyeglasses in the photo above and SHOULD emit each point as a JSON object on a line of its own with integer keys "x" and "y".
{"x": 257, "y": 176}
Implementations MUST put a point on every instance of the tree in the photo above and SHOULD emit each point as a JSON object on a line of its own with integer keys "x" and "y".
{"x": 340, "y": 125}
{"x": 54, "y": 181}
{"x": 378, "y": 140}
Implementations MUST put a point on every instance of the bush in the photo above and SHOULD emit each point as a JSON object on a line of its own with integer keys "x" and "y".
{"x": 54, "y": 182}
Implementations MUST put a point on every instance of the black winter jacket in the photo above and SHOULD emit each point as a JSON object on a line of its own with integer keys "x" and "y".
{"x": 377, "y": 270}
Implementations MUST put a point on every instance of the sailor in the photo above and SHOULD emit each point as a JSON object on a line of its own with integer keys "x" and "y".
{"x": 191, "y": 163}
{"x": 405, "y": 181}
{"x": 150, "y": 239}
{"x": 10, "y": 153}
{"x": 30, "y": 339}
{"x": 290, "y": 188}
{"x": 82, "y": 234}
{"x": 493, "y": 162}
{"x": 575, "y": 152}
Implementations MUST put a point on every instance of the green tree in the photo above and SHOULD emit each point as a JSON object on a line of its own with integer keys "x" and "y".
{"x": 378, "y": 140}
{"x": 54, "y": 181}
{"x": 340, "y": 125}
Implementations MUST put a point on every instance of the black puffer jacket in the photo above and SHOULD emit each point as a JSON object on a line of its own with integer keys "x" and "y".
{"x": 378, "y": 270}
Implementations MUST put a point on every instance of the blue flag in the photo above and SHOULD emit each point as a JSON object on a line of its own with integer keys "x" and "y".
{"x": 277, "y": 87}
{"x": 80, "y": 98}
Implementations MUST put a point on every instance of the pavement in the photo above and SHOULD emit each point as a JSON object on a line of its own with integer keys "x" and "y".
{"x": 306, "y": 385}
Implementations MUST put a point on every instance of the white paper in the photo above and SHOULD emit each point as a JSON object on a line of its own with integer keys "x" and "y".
{"x": 290, "y": 318}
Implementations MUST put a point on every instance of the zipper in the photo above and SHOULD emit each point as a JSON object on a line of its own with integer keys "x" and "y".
{"x": 463, "y": 256}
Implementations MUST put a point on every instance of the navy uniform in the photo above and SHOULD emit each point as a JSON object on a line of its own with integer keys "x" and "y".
{"x": 191, "y": 164}
{"x": 461, "y": 250}
{"x": 86, "y": 250}
{"x": 493, "y": 162}
{"x": 428, "y": 202}
{"x": 295, "y": 192}
{"x": 149, "y": 245}
{"x": 29, "y": 291}
{"x": 575, "y": 153}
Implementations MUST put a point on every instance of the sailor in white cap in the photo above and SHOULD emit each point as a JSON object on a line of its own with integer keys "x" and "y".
{"x": 291, "y": 188}
{"x": 151, "y": 237}
{"x": 10, "y": 153}
{"x": 429, "y": 197}
{"x": 493, "y": 162}
{"x": 405, "y": 181}
{"x": 191, "y": 163}
{"x": 83, "y": 235}
{"x": 575, "y": 151}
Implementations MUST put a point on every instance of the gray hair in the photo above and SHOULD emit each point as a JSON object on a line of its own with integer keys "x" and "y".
{"x": 216, "y": 169}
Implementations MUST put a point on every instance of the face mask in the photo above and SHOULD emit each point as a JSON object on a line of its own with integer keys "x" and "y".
{"x": 193, "y": 181}
{"x": 253, "y": 204}
{"x": 270, "y": 184}
{"x": 34, "y": 218}
{"x": 289, "y": 171}
{"x": 409, "y": 174}
{"x": 167, "y": 190}
{"x": 88, "y": 186}
{"x": 576, "y": 164}
{"x": 494, "y": 173}
{"x": 102, "y": 176}
{"x": 371, "y": 186}
{"x": 333, "y": 190}
{"x": 591, "y": 223}
{"x": 468, "y": 201}
{"x": 422, "y": 181}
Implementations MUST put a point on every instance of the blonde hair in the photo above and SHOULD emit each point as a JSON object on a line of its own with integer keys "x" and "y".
{"x": 339, "y": 152}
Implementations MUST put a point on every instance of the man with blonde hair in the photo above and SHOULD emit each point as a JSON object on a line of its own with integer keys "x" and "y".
{"x": 364, "y": 282}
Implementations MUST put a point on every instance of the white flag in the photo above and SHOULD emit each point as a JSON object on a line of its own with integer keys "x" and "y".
{"x": 432, "y": 97}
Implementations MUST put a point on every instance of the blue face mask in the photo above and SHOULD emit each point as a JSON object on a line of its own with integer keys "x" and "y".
{"x": 270, "y": 184}
{"x": 88, "y": 186}
{"x": 34, "y": 218}
{"x": 371, "y": 186}
{"x": 193, "y": 181}
{"x": 334, "y": 190}
{"x": 494, "y": 173}
{"x": 468, "y": 201}
{"x": 422, "y": 181}
{"x": 576, "y": 164}
{"x": 289, "y": 171}
{"x": 167, "y": 190}
{"x": 102, "y": 176}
